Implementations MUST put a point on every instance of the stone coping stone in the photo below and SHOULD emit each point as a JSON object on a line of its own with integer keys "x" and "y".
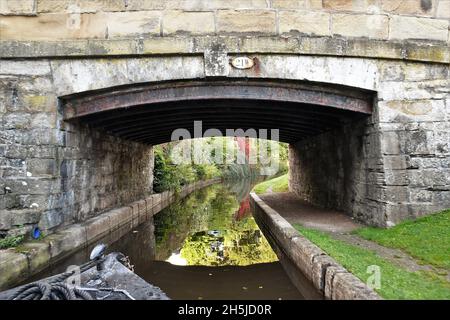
{"x": 303, "y": 252}
{"x": 97, "y": 227}
{"x": 17, "y": 264}
{"x": 13, "y": 267}
{"x": 413, "y": 50}
{"x": 328, "y": 276}
{"x": 38, "y": 255}
{"x": 66, "y": 241}
{"x": 120, "y": 216}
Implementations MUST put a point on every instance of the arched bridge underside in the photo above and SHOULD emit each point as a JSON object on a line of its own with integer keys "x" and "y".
{"x": 149, "y": 113}
{"x": 368, "y": 134}
{"x": 86, "y": 90}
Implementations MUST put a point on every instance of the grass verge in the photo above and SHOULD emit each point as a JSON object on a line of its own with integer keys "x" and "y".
{"x": 279, "y": 184}
{"x": 427, "y": 239}
{"x": 396, "y": 282}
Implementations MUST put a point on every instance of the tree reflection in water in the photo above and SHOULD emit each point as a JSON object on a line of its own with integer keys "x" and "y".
{"x": 212, "y": 227}
{"x": 209, "y": 230}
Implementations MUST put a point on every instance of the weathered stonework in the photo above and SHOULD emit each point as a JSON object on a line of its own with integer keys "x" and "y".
{"x": 418, "y": 28}
{"x": 18, "y": 264}
{"x": 99, "y": 172}
{"x": 341, "y": 170}
{"x": 188, "y": 22}
{"x": 396, "y": 162}
{"x": 443, "y": 10}
{"x": 48, "y": 164}
{"x": 18, "y": 7}
{"x": 392, "y": 166}
{"x": 307, "y": 22}
{"x": 410, "y": 7}
{"x": 361, "y": 25}
{"x": 116, "y": 19}
{"x": 329, "y": 279}
{"x": 55, "y": 173}
{"x": 246, "y": 21}
{"x": 188, "y": 45}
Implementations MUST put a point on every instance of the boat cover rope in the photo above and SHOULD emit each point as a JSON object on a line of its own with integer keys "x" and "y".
{"x": 55, "y": 288}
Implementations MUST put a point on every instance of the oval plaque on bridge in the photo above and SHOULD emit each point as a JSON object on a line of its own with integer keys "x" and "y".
{"x": 242, "y": 62}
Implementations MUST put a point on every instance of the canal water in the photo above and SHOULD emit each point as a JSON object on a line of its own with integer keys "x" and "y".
{"x": 205, "y": 246}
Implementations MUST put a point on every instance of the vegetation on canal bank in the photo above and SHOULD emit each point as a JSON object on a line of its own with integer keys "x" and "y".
{"x": 426, "y": 239}
{"x": 218, "y": 157}
{"x": 396, "y": 282}
{"x": 11, "y": 241}
{"x": 170, "y": 176}
{"x": 279, "y": 184}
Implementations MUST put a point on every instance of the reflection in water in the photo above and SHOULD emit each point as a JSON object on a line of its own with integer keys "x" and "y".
{"x": 212, "y": 227}
{"x": 206, "y": 246}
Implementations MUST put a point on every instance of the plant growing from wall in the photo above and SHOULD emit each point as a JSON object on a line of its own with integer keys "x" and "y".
{"x": 11, "y": 241}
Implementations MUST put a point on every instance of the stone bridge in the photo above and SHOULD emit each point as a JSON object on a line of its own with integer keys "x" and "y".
{"x": 359, "y": 89}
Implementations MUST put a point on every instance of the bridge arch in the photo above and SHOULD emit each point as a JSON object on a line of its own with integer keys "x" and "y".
{"x": 305, "y": 97}
{"x": 355, "y": 156}
{"x": 381, "y": 164}
{"x": 351, "y": 162}
{"x": 149, "y": 113}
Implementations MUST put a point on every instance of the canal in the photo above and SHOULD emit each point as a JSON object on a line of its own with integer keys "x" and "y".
{"x": 205, "y": 246}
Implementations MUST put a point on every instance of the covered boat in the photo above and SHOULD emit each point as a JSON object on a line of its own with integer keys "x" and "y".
{"x": 107, "y": 277}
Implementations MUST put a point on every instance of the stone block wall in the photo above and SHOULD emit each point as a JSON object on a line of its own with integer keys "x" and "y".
{"x": 53, "y": 173}
{"x": 392, "y": 166}
{"x": 414, "y": 122}
{"x": 99, "y": 172}
{"x": 101, "y": 19}
{"x": 341, "y": 169}
{"x": 30, "y": 143}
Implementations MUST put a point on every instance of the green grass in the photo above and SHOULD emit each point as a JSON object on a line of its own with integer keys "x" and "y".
{"x": 427, "y": 239}
{"x": 279, "y": 184}
{"x": 396, "y": 282}
{"x": 10, "y": 242}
